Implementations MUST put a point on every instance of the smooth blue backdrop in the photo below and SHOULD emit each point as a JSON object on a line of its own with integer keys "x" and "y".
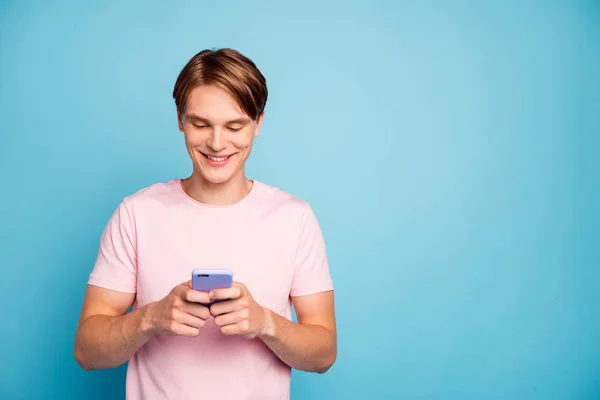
{"x": 449, "y": 150}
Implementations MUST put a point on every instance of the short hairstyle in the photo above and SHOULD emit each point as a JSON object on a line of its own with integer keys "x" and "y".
{"x": 228, "y": 69}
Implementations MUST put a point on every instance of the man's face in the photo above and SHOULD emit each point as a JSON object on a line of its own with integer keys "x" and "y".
{"x": 218, "y": 134}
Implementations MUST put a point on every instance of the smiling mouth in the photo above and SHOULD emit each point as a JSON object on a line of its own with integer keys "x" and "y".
{"x": 217, "y": 160}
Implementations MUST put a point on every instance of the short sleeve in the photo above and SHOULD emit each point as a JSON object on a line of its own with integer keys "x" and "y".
{"x": 311, "y": 273}
{"x": 116, "y": 265}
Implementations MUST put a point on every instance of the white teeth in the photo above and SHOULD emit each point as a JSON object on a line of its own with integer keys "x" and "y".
{"x": 218, "y": 159}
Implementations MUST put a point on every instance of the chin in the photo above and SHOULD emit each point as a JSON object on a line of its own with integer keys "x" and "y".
{"x": 215, "y": 179}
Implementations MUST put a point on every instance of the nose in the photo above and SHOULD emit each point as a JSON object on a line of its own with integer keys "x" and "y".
{"x": 216, "y": 141}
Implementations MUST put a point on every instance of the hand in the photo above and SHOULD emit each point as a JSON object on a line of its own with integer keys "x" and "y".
{"x": 240, "y": 314}
{"x": 179, "y": 313}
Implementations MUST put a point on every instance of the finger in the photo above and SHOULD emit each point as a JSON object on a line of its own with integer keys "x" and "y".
{"x": 197, "y": 310}
{"x": 179, "y": 329}
{"x": 182, "y": 287}
{"x": 185, "y": 330}
{"x": 195, "y": 296}
{"x": 228, "y": 306}
{"x": 231, "y": 293}
{"x": 239, "y": 328}
{"x": 188, "y": 319}
{"x": 231, "y": 318}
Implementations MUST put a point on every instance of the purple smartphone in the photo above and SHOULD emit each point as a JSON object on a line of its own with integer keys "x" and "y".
{"x": 206, "y": 280}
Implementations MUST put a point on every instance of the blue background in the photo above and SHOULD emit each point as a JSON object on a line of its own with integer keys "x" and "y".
{"x": 449, "y": 149}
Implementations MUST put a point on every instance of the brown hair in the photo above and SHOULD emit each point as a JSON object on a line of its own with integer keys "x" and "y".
{"x": 231, "y": 71}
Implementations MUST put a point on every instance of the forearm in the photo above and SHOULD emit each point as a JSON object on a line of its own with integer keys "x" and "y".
{"x": 304, "y": 347}
{"x": 105, "y": 341}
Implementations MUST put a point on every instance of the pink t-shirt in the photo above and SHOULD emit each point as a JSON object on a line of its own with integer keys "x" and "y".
{"x": 271, "y": 241}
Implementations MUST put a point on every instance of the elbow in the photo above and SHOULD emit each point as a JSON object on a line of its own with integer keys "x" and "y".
{"x": 323, "y": 370}
{"x": 328, "y": 364}
{"x": 80, "y": 358}
{"x": 329, "y": 360}
{"x": 88, "y": 361}
{"x": 85, "y": 367}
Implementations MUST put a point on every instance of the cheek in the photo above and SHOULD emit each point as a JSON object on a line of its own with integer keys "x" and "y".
{"x": 242, "y": 142}
{"x": 192, "y": 140}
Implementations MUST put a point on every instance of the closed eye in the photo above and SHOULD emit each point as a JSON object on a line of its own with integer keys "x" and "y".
{"x": 234, "y": 129}
{"x": 200, "y": 126}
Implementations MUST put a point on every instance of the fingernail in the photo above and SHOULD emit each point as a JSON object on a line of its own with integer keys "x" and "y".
{"x": 211, "y": 294}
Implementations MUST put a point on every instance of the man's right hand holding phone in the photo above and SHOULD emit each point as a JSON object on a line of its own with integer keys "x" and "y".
{"x": 180, "y": 313}
{"x": 108, "y": 335}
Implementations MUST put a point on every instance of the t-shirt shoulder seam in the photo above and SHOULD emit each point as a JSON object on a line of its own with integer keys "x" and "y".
{"x": 282, "y": 193}
{"x": 131, "y": 221}
{"x": 301, "y": 225}
{"x": 147, "y": 191}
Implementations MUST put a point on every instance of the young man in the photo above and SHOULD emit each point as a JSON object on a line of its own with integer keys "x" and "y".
{"x": 243, "y": 347}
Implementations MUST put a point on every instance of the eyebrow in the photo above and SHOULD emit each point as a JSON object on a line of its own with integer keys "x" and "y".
{"x": 241, "y": 120}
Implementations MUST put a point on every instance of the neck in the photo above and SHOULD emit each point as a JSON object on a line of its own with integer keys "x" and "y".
{"x": 220, "y": 194}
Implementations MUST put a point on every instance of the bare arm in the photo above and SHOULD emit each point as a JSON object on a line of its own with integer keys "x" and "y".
{"x": 311, "y": 344}
{"x": 107, "y": 336}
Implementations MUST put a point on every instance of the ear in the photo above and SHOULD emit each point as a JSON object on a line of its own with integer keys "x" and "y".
{"x": 179, "y": 122}
{"x": 258, "y": 125}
